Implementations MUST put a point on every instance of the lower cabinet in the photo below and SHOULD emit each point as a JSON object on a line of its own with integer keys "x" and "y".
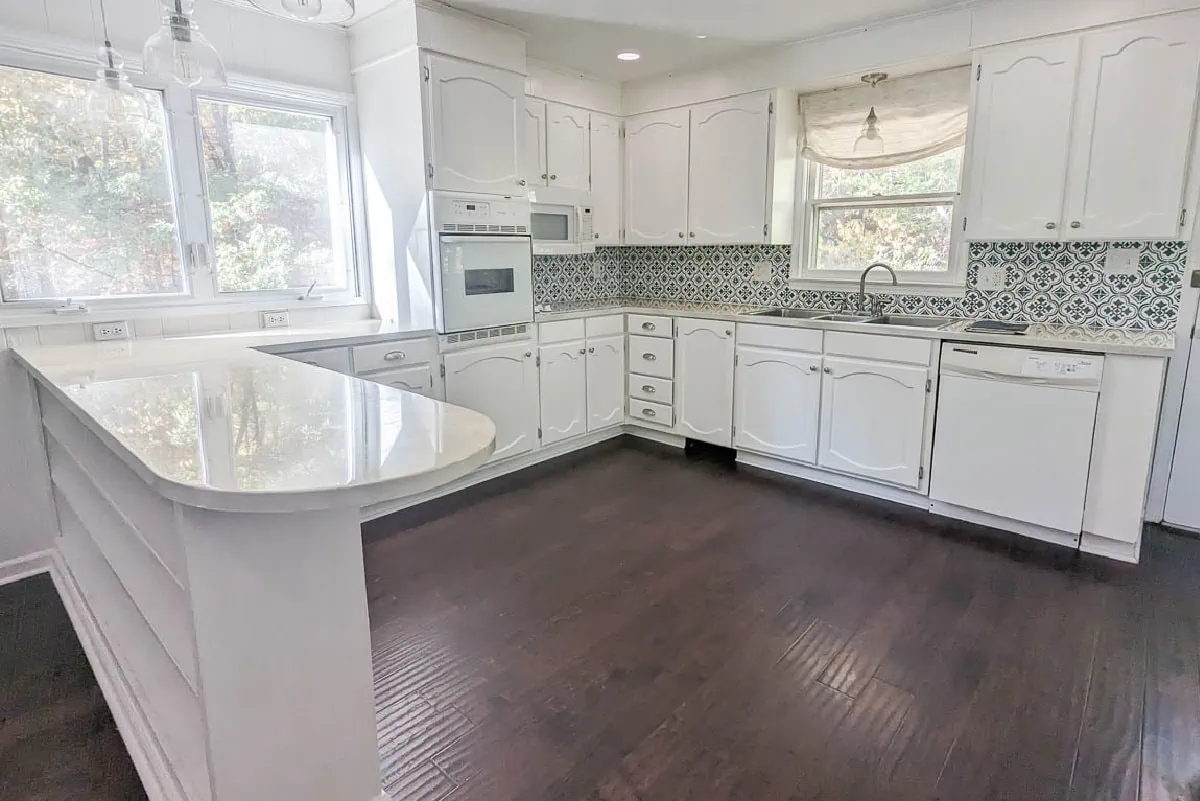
{"x": 704, "y": 351}
{"x": 873, "y": 419}
{"x": 778, "y": 403}
{"x": 564, "y": 390}
{"x": 500, "y": 381}
{"x": 605, "y": 382}
{"x": 336, "y": 359}
{"x": 413, "y": 379}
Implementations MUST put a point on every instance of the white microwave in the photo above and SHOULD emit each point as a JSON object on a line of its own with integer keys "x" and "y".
{"x": 559, "y": 229}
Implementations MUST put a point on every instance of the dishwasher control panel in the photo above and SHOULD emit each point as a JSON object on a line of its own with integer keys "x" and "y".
{"x": 1023, "y": 365}
{"x": 1055, "y": 366}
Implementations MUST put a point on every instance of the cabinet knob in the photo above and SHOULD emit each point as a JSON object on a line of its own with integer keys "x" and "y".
{"x": 649, "y": 390}
{"x": 728, "y": 332}
{"x": 528, "y": 354}
{"x": 649, "y": 412}
{"x": 1076, "y": 224}
{"x": 828, "y": 371}
{"x": 591, "y": 350}
{"x": 394, "y": 356}
{"x": 692, "y": 234}
{"x": 1051, "y": 226}
{"x": 553, "y": 177}
{"x": 595, "y": 236}
{"x": 814, "y": 369}
{"x": 648, "y": 326}
{"x": 544, "y": 176}
{"x": 650, "y": 357}
{"x": 681, "y": 234}
{"x": 522, "y": 182}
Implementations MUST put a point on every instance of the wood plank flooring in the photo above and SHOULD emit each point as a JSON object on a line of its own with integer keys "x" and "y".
{"x": 638, "y": 627}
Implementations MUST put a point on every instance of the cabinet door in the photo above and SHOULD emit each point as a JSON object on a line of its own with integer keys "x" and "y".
{"x": 606, "y": 179}
{"x": 568, "y": 149}
{"x": 501, "y": 382}
{"x": 413, "y": 379}
{"x": 704, "y": 380}
{"x": 727, "y": 177}
{"x": 873, "y": 419}
{"x": 656, "y": 178}
{"x": 533, "y": 144}
{"x": 1021, "y": 130}
{"x": 564, "y": 390}
{"x": 1133, "y": 131}
{"x": 476, "y": 116}
{"x": 605, "y": 382}
{"x": 778, "y": 403}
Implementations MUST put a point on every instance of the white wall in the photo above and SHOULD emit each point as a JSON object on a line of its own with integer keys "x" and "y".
{"x": 28, "y": 523}
{"x": 456, "y": 33}
{"x": 250, "y": 43}
{"x": 561, "y": 85}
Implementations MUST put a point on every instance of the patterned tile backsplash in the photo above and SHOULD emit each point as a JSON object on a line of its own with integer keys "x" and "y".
{"x": 1047, "y": 282}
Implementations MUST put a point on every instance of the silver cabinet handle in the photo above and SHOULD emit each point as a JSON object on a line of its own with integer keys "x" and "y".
{"x": 650, "y": 357}
{"x": 1076, "y": 224}
{"x": 648, "y": 326}
{"x": 583, "y": 351}
{"x": 814, "y": 369}
{"x": 522, "y": 181}
{"x": 528, "y": 354}
{"x": 591, "y": 350}
{"x": 553, "y": 177}
{"x": 394, "y": 356}
{"x": 595, "y": 236}
{"x": 649, "y": 412}
{"x": 681, "y": 234}
{"x": 649, "y": 390}
{"x": 1051, "y": 226}
{"x": 828, "y": 371}
{"x": 544, "y": 176}
{"x": 692, "y": 234}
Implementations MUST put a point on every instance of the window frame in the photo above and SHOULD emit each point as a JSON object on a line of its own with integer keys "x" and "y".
{"x": 190, "y": 191}
{"x": 952, "y": 282}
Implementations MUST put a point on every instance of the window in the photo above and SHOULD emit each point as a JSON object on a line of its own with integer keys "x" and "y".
{"x": 86, "y": 211}
{"x": 901, "y": 215}
{"x": 252, "y": 203}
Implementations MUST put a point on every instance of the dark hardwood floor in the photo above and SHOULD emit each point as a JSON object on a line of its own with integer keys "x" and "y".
{"x": 638, "y": 627}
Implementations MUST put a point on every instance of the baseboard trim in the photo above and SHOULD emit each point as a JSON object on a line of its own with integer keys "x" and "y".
{"x": 25, "y": 566}
{"x": 820, "y": 476}
{"x": 1036, "y": 532}
{"x": 1129, "y": 552}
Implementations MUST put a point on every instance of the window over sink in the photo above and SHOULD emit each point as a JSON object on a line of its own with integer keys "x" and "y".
{"x": 880, "y": 179}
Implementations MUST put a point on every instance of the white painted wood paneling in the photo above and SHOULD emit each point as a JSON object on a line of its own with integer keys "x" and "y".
{"x": 704, "y": 351}
{"x": 533, "y": 144}
{"x": 777, "y": 397}
{"x": 561, "y": 331}
{"x": 28, "y": 525}
{"x": 1135, "y": 114}
{"x": 564, "y": 390}
{"x": 568, "y": 147}
{"x": 656, "y": 178}
{"x": 728, "y": 174}
{"x": 457, "y": 33}
{"x": 500, "y": 381}
{"x": 605, "y": 381}
{"x": 606, "y": 178}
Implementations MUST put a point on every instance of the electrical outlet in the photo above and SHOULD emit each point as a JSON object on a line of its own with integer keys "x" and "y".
{"x": 762, "y": 271}
{"x": 114, "y": 329}
{"x": 992, "y": 278}
{"x": 275, "y": 319}
{"x": 1122, "y": 261}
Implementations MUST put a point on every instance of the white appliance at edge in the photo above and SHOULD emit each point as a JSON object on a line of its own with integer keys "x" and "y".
{"x": 483, "y": 261}
{"x": 1014, "y": 438}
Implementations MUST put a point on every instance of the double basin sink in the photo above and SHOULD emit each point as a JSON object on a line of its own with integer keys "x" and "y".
{"x": 909, "y": 321}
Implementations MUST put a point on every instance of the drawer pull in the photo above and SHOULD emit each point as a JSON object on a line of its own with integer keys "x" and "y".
{"x": 648, "y": 326}
{"x": 394, "y": 356}
{"x": 649, "y": 390}
{"x": 649, "y": 412}
{"x": 650, "y": 357}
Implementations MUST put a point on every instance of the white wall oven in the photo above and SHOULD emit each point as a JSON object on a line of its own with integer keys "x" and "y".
{"x": 484, "y": 264}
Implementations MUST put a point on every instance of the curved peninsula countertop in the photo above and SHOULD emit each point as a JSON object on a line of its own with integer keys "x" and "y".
{"x": 213, "y": 423}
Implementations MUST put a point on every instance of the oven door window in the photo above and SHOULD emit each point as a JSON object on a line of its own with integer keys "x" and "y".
{"x": 550, "y": 227}
{"x": 489, "y": 282}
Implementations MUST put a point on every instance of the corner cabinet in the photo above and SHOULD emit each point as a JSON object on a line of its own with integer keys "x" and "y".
{"x": 704, "y": 355}
{"x": 1101, "y": 126}
{"x": 500, "y": 381}
{"x": 476, "y": 126}
{"x": 656, "y": 178}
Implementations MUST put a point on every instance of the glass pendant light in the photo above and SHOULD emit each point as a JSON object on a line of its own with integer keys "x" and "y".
{"x": 179, "y": 52}
{"x": 870, "y": 143}
{"x": 112, "y": 99}
{"x": 309, "y": 10}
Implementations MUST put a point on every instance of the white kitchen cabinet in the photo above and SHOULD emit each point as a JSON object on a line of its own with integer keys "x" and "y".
{"x": 727, "y": 182}
{"x": 533, "y": 144}
{"x": 417, "y": 379}
{"x": 704, "y": 351}
{"x": 606, "y": 179}
{"x": 777, "y": 402}
{"x": 564, "y": 390}
{"x": 1134, "y": 118}
{"x": 568, "y": 148}
{"x": 656, "y": 178}
{"x": 1021, "y": 131}
{"x": 335, "y": 359}
{"x": 605, "y": 382}
{"x": 873, "y": 419}
{"x": 476, "y": 128}
{"x": 500, "y": 381}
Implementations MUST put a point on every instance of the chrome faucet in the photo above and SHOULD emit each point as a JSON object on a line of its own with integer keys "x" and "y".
{"x": 862, "y": 284}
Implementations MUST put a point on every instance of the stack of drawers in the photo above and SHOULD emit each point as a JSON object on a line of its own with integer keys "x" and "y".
{"x": 652, "y": 370}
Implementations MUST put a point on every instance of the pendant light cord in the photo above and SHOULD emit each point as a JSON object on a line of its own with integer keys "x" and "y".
{"x": 107, "y": 41}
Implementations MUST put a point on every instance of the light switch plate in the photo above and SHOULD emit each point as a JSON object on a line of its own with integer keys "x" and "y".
{"x": 1122, "y": 261}
{"x": 992, "y": 278}
{"x": 762, "y": 271}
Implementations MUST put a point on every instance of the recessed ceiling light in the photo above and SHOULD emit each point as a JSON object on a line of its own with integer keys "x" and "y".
{"x": 629, "y": 55}
{"x": 702, "y": 36}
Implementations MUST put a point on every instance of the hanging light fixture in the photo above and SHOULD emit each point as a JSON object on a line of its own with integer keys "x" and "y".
{"x": 112, "y": 99}
{"x": 179, "y": 52}
{"x": 870, "y": 143}
{"x": 308, "y": 10}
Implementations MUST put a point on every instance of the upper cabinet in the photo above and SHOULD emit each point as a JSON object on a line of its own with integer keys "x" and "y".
{"x": 533, "y": 144}
{"x": 568, "y": 147}
{"x": 476, "y": 126}
{"x": 712, "y": 174}
{"x": 656, "y": 178}
{"x": 606, "y": 178}
{"x": 1087, "y": 136}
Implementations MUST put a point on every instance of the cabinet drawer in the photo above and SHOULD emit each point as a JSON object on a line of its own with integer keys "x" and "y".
{"x": 645, "y": 387}
{"x": 560, "y": 331}
{"x": 605, "y": 326}
{"x": 649, "y": 356}
{"x": 906, "y": 350}
{"x": 336, "y": 359}
{"x": 389, "y": 355}
{"x": 417, "y": 379}
{"x": 808, "y": 340}
{"x": 652, "y": 412}
{"x": 650, "y": 326}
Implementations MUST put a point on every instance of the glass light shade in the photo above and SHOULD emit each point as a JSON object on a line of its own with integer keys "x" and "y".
{"x": 309, "y": 10}
{"x": 871, "y": 141}
{"x": 113, "y": 100}
{"x": 179, "y": 52}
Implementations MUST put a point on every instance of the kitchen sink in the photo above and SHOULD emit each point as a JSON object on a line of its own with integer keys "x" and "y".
{"x": 910, "y": 321}
{"x": 792, "y": 314}
{"x": 850, "y": 318}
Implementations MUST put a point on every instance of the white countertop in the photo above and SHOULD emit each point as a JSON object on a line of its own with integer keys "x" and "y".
{"x": 1040, "y": 335}
{"x": 211, "y": 422}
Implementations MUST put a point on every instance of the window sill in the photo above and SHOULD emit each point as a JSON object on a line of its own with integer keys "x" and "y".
{"x": 877, "y": 288}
